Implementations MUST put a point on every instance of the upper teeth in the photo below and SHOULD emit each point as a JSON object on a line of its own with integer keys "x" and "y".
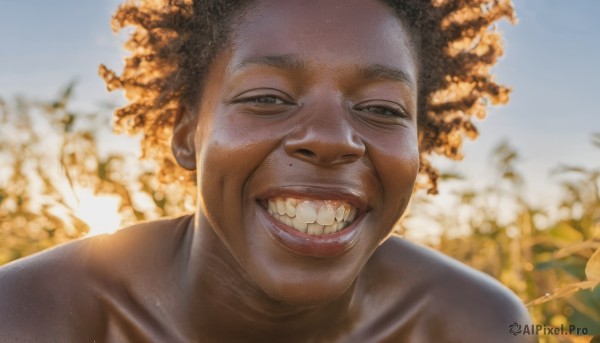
{"x": 312, "y": 216}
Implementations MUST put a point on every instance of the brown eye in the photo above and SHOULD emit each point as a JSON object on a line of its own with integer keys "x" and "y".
{"x": 384, "y": 111}
{"x": 265, "y": 99}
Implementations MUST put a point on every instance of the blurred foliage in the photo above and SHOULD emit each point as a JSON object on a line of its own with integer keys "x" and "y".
{"x": 48, "y": 152}
{"x": 30, "y": 221}
{"x": 539, "y": 253}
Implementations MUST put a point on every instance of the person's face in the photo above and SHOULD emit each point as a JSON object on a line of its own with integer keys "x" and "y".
{"x": 306, "y": 143}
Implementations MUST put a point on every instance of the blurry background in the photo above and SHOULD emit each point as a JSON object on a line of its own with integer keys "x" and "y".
{"x": 523, "y": 206}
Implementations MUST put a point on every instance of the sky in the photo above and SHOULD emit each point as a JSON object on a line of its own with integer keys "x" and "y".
{"x": 551, "y": 62}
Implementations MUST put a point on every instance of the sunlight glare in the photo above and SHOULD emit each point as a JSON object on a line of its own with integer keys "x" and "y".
{"x": 100, "y": 212}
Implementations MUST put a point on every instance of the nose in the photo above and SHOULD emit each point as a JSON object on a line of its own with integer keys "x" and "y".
{"x": 325, "y": 138}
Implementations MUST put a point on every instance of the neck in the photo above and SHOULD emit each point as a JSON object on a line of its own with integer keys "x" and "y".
{"x": 227, "y": 303}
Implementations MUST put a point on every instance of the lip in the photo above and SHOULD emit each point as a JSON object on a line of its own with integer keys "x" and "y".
{"x": 323, "y": 246}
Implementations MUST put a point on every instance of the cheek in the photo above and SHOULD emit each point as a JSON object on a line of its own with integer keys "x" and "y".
{"x": 229, "y": 149}
{"x": 396, "y": 161}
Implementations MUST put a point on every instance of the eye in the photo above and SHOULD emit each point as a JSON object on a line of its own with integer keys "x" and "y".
{"x": 384, "y": 109}
{"x": 263, "y": 100}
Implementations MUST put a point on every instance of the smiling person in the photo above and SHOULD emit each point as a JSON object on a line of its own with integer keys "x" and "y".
{"x": 305, "y": 125}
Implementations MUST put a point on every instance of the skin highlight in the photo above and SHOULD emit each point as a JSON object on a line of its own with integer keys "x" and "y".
{"x": 174, "y": 42}
{"x": 351, "y": 145}
{"x": 316, "y": 103}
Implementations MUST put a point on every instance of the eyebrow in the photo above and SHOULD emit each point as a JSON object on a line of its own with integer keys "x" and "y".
{"x": 382, "y": 72}
{"x": 370, "y": 72}
{"x": 276, "y": 61}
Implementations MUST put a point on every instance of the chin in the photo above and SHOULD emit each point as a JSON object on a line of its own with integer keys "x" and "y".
{"x": 305, "y": 294}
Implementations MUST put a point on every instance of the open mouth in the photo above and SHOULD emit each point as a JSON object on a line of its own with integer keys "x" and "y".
{"x": 313, "y": 221}
{"x": 313, "y": 217}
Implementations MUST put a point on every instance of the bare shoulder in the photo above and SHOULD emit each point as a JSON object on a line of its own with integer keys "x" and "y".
{"x": 41, "y": 296}
{"x": 63, "y": 294}
{"x": 435, "y": 297}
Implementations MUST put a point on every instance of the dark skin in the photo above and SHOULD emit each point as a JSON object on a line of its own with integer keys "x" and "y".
{"x": 310, "y": 102}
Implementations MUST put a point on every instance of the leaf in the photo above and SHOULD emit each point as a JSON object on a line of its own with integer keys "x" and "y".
{"x": 596, "y": 139}
{"x": 65, "y": 96}
{"x": 577, "y": 248}
{"x": 447, "y": 176}
{"x": 564, "y": 232}
{"x": 592, "y": 268}
{"x": 564, "y": 169}
{"x": 564, "y": 292}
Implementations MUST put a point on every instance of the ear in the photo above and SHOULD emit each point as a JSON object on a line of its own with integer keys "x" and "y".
{"x": 183, "y": 142}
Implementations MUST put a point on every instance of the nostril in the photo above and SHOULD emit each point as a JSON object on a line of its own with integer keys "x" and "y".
{"x": 306, "y": 153}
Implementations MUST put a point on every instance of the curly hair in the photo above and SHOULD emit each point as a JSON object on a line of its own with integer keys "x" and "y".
{"x": 173, "y": 43}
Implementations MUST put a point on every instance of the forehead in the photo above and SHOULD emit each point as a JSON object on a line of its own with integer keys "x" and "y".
{"x": 363, "y": 32}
